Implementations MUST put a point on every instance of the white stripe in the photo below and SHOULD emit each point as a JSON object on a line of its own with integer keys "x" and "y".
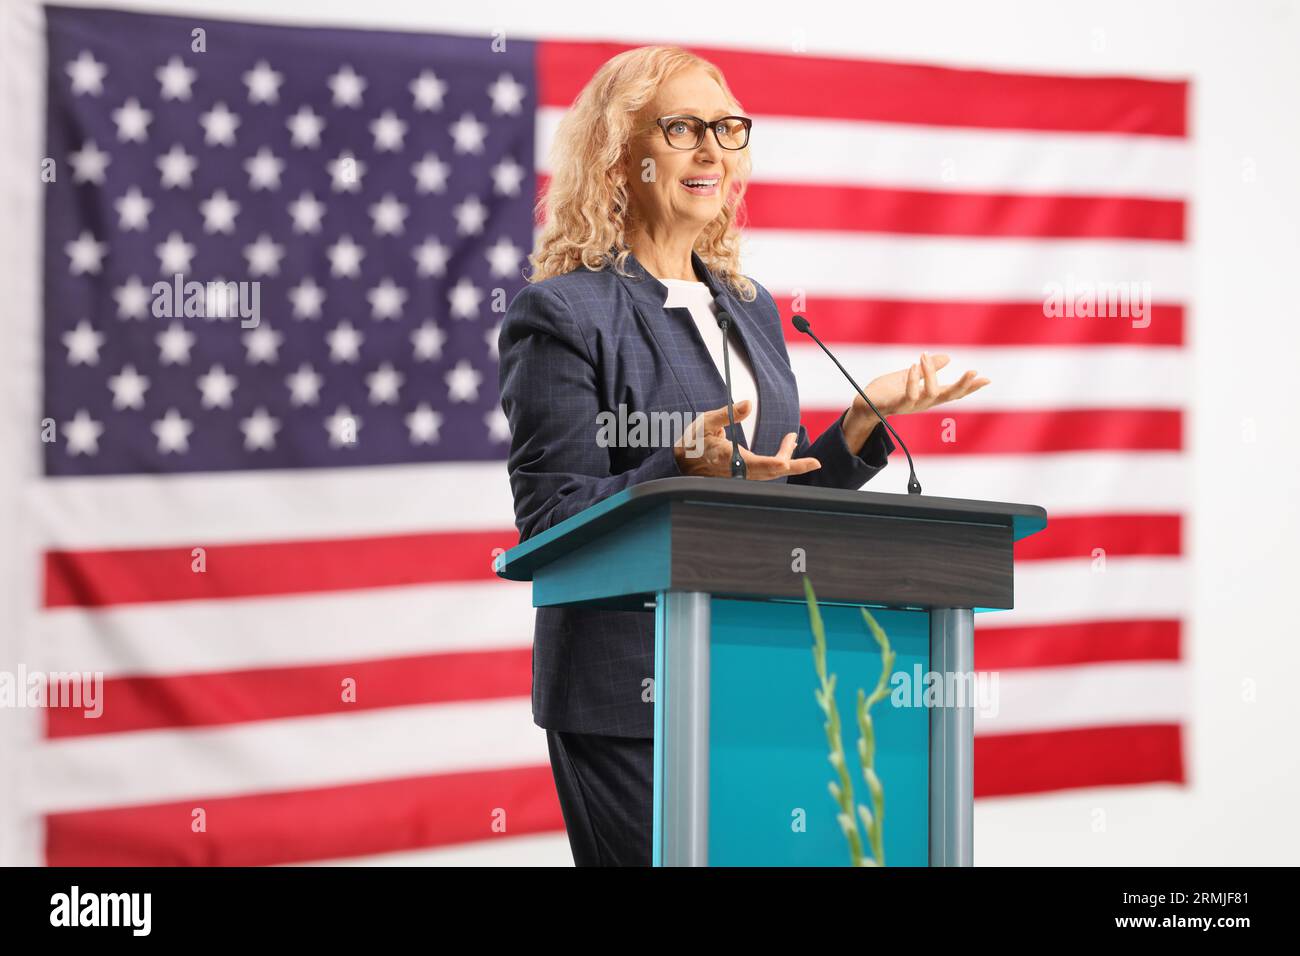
{"x": 1073, "y": 483}
{"x": 1038, "y": 379}
{"x": 186, "y": 510}
{"x": 534, "y": 849}
{"x": 215, "y": 508}
{"x": 1086, "y": 695}
{"x": 897, "y": 155}
{"x": 371, "y": 625}
{"x": 300, "y": 753}
{"x": 1078, "y": 589}
{"x": 958, "y": 269}
{"x": 206, "y": 636}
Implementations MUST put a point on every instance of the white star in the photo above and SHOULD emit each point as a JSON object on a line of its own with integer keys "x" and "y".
{"x": 219, "y": 212}
{"x": 507, "y": 95}
{"x": 346, "y": 172}
{"x": 87, "y": 74}
{"x": 174, "y": 255}
{"x": 132, "y": 121}
{"x": 304, "y": 386}
{"x": 259, "y": 430}
{"x": 428, "y": 91}
{"x": 86, "y": 254}
{"x": 82, "y": 434}
{"x": 345, "y": 258}
{"x": 344, "y": 427}
{"x": 428, "y": 341}
{"x": 262, "y": 345}
{"x": 386, "y": 300}
{"x": 264, "y": 170}
{"x": 470, "y": 216}
{"x": 177, "y": 167}
{"x": 384, "y": 383}
{"x": 263, "y": 83}
{"x": 345, "y": 343}
{"x": 493, "y": 339}
{"x": 88, "y": 164}
{"x": 218, "y": 388}
{"x": 468, "y": 133}
{"x": 498, "y": 425}
{"x": 264, "y": 256}
{"x": 173, "y": 432}
{"x": 504, "y": 257}
{"x": 132, "y": 299}
{"x": 507, "y": 176}
{"x": 174, "y": 345}
{"x": 219, "y": 125}
{"x": 464, "y": 298}
{"x": 83, "y": 344}
{"x": 431, "y": 257}
{"x": 307, "y": 212}
{"x": 133, "y": 210}
{"x": 307, "y": 298}
{"x": 305, "y": 127}
{"x": 128, "y": 388}
{"x": 176, "y": 79}
{"x": 430, "y": 174}
{"x": 388, "y": 131}
{"x": 462, "y": 382}
{"x": 423, "y": 423}
{"x": 389, "y": 215}
{"x": 347, "y": 87}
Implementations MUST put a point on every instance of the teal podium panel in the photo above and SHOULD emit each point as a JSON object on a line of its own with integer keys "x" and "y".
{"x": 768, "y": 799}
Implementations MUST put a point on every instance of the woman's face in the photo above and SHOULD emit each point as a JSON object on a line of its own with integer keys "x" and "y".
{"x": 657, "y": 172}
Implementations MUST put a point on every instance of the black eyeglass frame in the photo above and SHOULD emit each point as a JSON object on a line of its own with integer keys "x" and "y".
{"x": 663, "y": 121}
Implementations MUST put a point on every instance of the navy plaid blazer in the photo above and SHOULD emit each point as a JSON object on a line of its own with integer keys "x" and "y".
{"x": 575, "y": 345}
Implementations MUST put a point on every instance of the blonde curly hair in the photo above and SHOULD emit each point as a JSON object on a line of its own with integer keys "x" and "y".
{"x": 585, "y": 206}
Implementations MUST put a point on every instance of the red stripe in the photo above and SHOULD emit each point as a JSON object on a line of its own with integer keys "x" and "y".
{"x": 915, "y": 212}
{"x": 779, "y": 84}
{"x": 954, "y": 432}
{"x": 144, "y": 575}
{"x": 1078, "y": 536}
{"x": 232, "y": 697}
{"x": 1007, "y": 764}
{"x": 1090, "y": 642}
{"x": 355, "y": 820}
{"x": 895, "y": 322}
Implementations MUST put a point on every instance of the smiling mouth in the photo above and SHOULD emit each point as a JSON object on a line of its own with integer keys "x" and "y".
{"x": 702, "y": 185}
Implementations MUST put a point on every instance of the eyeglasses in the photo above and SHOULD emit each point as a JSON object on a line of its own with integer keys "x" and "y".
{"x": 687, "y": 132}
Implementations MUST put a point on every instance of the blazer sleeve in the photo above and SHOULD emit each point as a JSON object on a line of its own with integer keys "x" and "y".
{"x": 840, "y": 468}
{"x": 550, "y": 396}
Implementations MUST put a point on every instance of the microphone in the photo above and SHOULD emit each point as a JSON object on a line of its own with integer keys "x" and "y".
{"x": 738, "y": 469}
{"x": 800, "y": 323}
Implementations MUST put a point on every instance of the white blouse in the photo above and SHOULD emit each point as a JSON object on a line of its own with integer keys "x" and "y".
{"x": 696, "y": 297}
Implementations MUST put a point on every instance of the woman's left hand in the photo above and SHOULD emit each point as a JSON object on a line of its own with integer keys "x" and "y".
{"x": 915, "y": 389}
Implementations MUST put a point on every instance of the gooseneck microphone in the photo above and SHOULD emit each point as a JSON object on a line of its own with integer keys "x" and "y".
{"x": 800, "y": 323}
{"x": 738, "y": 469}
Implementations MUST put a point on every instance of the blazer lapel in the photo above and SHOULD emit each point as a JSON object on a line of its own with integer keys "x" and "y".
{"x": 677, "y": 333}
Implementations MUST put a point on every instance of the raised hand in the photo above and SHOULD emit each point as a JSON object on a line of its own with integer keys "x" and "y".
{"x": 705, "y": 450}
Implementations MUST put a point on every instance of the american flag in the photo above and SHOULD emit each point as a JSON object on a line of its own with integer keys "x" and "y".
{"x": 274, "y": 537}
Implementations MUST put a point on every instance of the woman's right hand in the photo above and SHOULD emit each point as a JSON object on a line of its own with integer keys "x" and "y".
{"x": 704, "y": 450}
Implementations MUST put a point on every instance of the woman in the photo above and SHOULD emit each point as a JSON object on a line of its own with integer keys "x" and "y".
{"x": 638, "y": 253}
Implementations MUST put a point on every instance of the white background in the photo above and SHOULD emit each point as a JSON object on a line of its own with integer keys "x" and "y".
{"x": 1244, "y": 61}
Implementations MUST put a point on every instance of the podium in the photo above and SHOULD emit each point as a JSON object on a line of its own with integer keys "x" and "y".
{"x": 740, "y": 753}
